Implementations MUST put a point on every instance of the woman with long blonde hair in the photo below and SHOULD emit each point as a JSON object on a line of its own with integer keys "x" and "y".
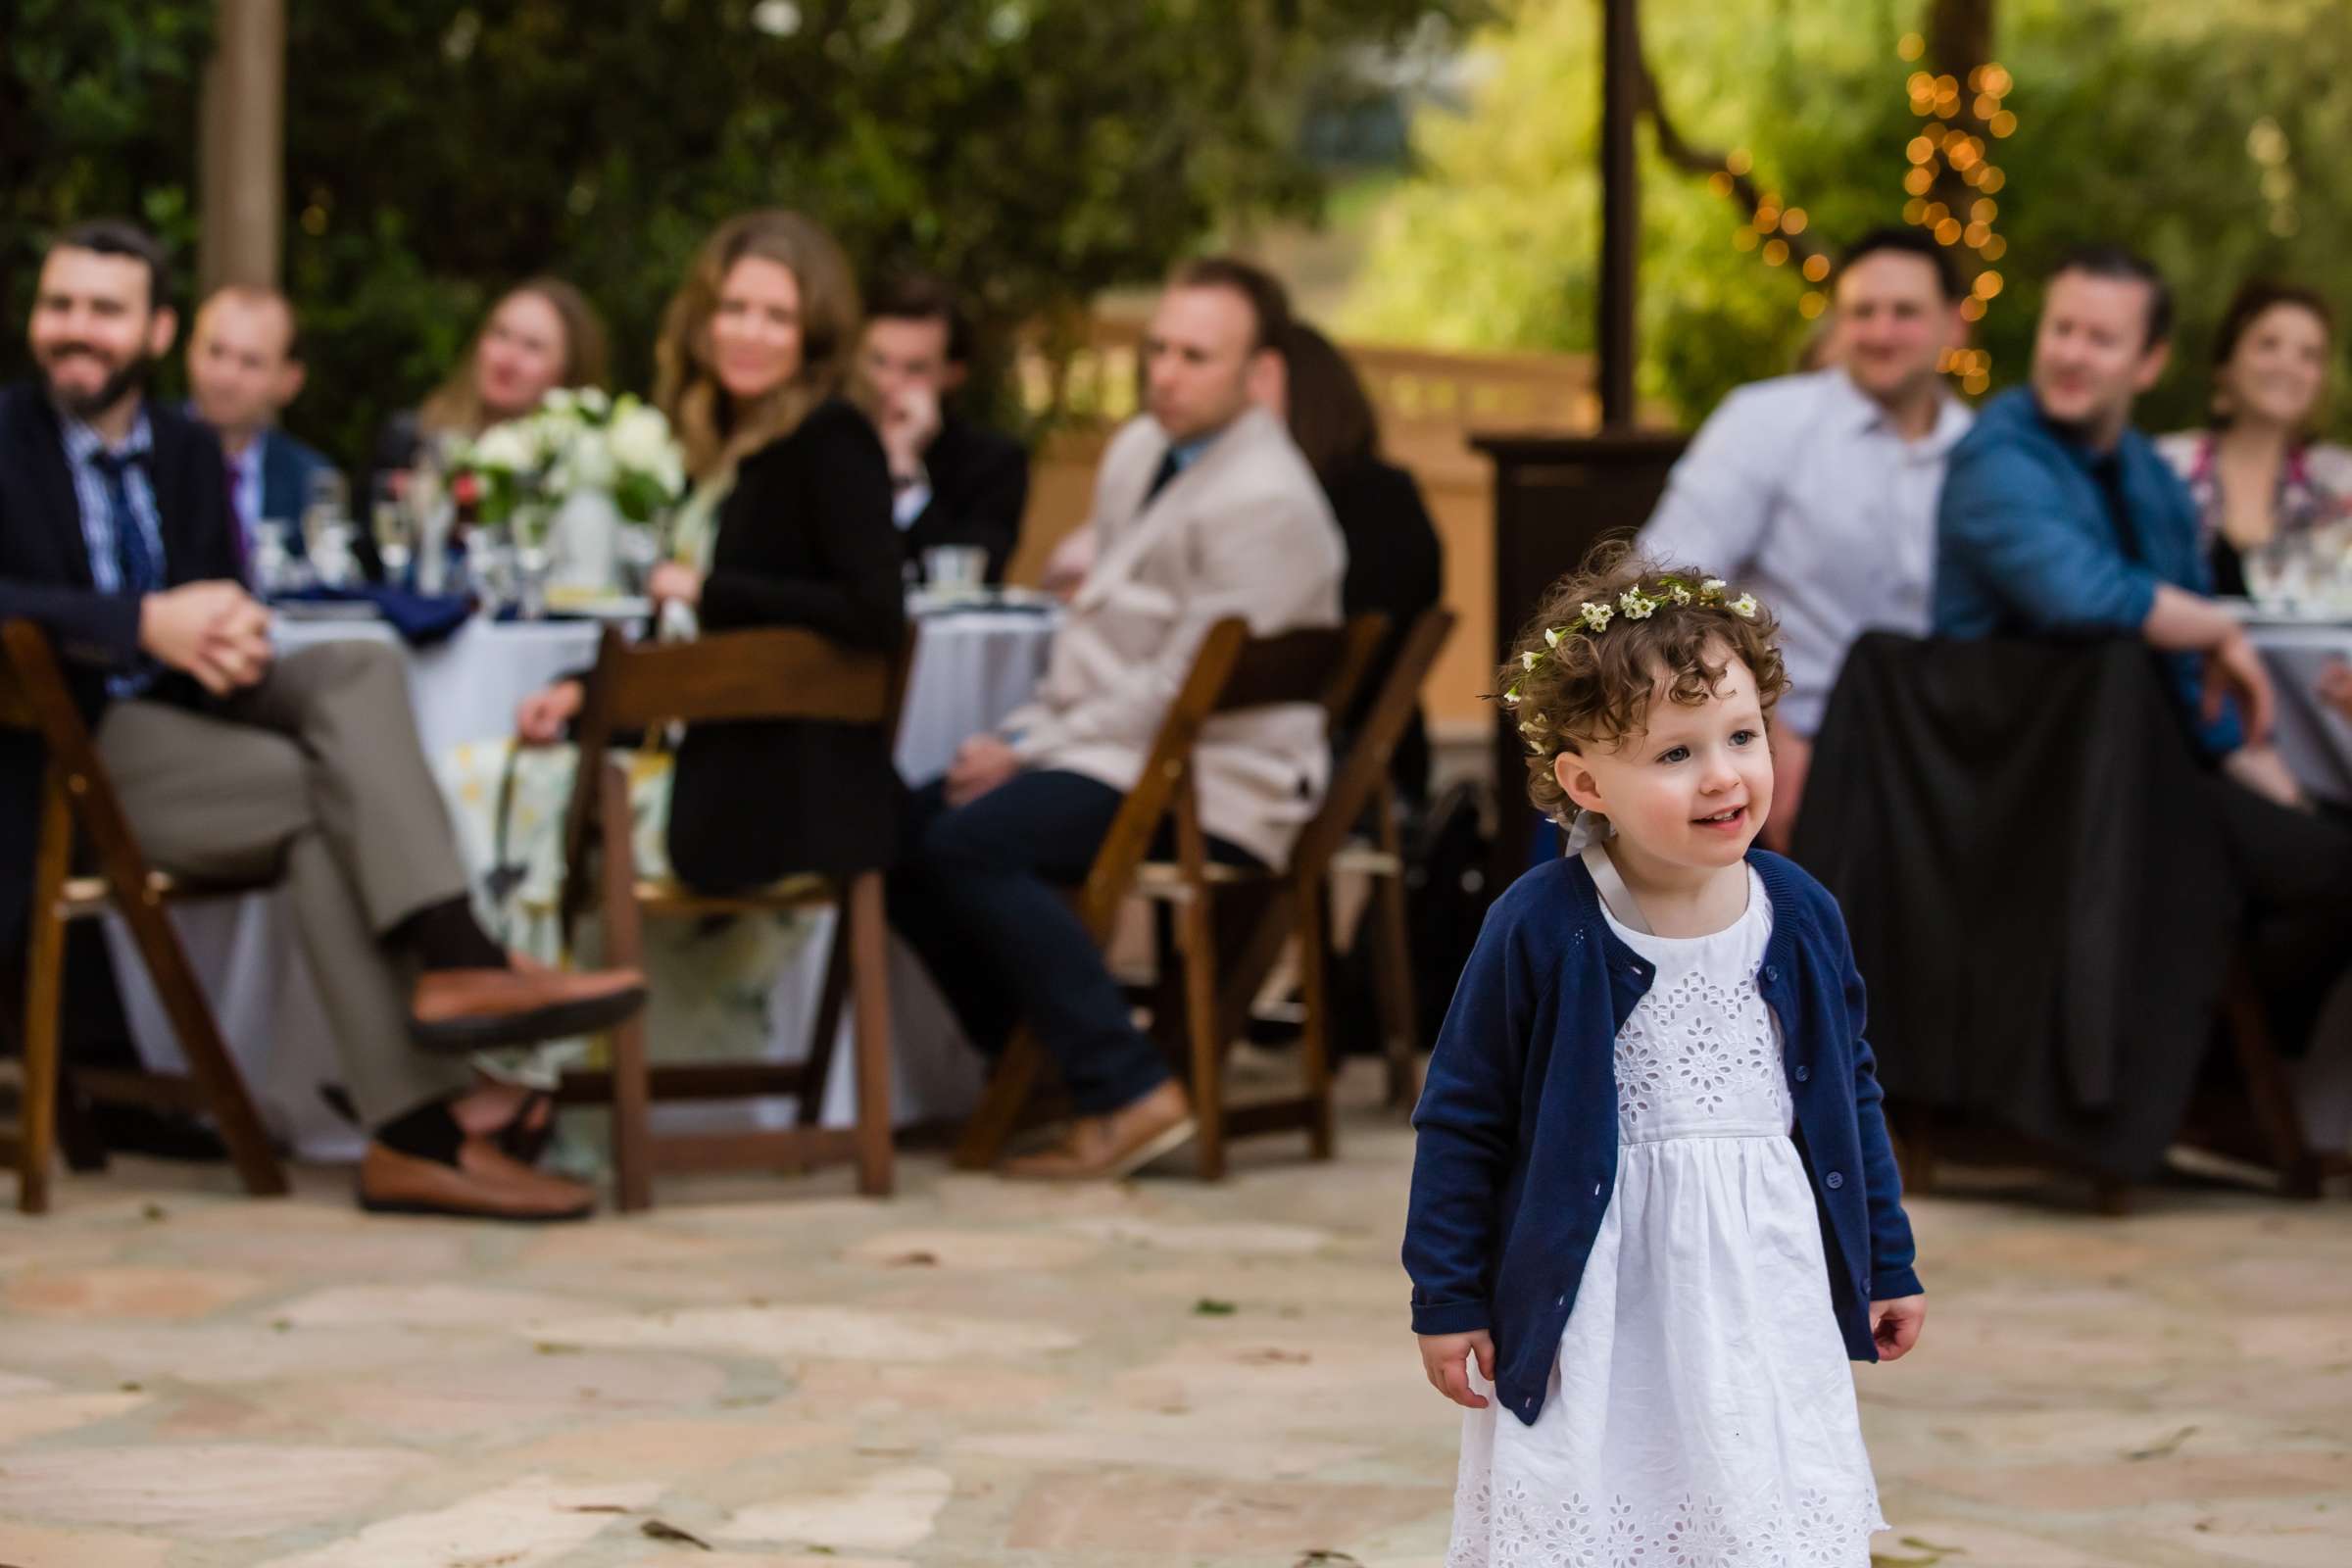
{"x": 542, "y": 334}
{"x": 789, "y": 525}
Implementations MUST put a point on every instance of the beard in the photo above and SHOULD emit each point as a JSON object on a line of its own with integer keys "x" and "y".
{"x": 123, "y": 381}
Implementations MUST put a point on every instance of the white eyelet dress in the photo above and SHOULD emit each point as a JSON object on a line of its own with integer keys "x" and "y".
{"x": 1701, "y": 1412}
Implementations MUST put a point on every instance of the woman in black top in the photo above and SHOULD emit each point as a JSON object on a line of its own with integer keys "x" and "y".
{"x": 760, "y": 340}
{"x": 1394, "y": 565}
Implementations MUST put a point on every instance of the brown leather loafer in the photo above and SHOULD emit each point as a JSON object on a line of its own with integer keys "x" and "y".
{"x": 484, "y": 1184}
{"x": 1107, "y": 1147}
{"x": 475, "y": 1009}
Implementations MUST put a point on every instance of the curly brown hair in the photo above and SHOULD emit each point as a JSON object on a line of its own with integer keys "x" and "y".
{"x": 1569, "y": 685}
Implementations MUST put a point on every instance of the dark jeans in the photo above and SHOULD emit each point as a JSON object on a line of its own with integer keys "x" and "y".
{"x": 2296, "y": 871}
{"x": 981, "y": 897}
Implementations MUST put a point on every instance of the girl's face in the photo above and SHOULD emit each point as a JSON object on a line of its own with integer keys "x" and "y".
{"x": 756, "y": 332}
{"x": 2279, "y": 366}
{"x": 521, "y": 356}
{"x": 1695, "y": 787}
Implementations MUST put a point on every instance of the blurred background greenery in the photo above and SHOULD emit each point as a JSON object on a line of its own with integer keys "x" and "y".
{"x": 1425, "y": 172}
{"x": 2212, "y": 134}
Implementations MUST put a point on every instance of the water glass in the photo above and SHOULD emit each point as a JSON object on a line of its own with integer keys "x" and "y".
{"x": 326, "y": 500}
{"x": 274, "y": 562}
{"x": 334, "y": 555}
{"x": 956, "y": 571}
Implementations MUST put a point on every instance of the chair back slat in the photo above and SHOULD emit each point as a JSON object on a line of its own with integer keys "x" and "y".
{"x": 1319, "y": 665}
{"x": 1129, "y": 838}
{"x": 765, "y": 674}
{"x": 1364, "y": 766}
{"x": 17, "y": 709}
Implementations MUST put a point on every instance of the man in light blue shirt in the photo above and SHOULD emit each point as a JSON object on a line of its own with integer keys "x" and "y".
{"x": 1817, "y": 492}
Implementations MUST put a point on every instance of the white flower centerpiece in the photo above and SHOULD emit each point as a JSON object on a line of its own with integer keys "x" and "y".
{"x": 565, "y": 481}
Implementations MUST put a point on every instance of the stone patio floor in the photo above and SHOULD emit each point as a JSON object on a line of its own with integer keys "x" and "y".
{"x": 776, "y": 1373}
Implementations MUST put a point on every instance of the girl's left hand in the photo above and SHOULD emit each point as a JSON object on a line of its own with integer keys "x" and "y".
{"x": 671, "y": 581}
{"x": 1895, "y": 1323}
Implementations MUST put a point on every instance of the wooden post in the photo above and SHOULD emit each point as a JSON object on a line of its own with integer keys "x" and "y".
{"x": 241, "y": 172}
{"x": 1620, "y": 208}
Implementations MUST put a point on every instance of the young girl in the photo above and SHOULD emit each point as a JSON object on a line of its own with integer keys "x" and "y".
{"x": 1654, "y": 1211}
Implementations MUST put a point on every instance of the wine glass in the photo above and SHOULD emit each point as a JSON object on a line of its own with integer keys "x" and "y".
{"x": 395, "y": 530}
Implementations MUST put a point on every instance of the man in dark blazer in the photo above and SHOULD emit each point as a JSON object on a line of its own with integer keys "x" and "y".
{"x": 115, "y": 539}
{"x": 244, "y": 366}
{"x": 952, "y": 483}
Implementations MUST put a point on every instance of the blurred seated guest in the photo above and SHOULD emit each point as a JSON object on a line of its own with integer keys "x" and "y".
{"x": 2059, "y": 520}
{"x": 1394, "y": 565}
{"x": 1818, "y": 490}
{"x": 1204, "y": 509}
{"x": 1067, "y": 564}
{"x": 2255, "y": 470}
{"x": 954, "y": 483}
{"x": 231, "y": 766}
{"x": 542, "y": 334}
{"x": 787, "y": 526}
{"x": 244, "y": 366}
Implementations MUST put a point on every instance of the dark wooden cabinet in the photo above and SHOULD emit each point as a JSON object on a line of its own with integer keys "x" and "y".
{"x": 1555, "y": 497}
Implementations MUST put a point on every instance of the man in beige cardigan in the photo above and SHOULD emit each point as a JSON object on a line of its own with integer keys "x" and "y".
{"x": 1204, "y": 509}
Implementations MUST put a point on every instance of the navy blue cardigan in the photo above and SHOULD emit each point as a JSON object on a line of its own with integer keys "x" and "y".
{"x": 1517, "y": 1153}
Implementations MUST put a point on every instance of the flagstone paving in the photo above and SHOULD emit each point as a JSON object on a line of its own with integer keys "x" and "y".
{"x": 780, "y": 1375}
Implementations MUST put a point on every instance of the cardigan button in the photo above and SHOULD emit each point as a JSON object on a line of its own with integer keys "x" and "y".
{"x": 1803, "y": 1072}
{"x": 1560, "y": 1301}
{"x": 1833, "y": 1181}
{"x": 1771, "y": 972}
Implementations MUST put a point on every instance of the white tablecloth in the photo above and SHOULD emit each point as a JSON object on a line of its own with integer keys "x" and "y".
{"x": 2314, "y": 738}
{"x": 971, "y": 669}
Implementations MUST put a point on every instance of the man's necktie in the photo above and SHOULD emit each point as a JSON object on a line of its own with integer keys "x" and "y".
{"x": 1168, "y": 470}
{"x": 135, "y": 566}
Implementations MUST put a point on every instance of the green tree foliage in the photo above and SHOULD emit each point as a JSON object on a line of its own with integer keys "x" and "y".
{"x": 97, "y": 116}
{"x": 2145, "y": 123}
{"x": 1035, "y": 151}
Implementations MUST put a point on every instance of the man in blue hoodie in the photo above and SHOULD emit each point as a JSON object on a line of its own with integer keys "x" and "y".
{"x": 2060, "y": 520}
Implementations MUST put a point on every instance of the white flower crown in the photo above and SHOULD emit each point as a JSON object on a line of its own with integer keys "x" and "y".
{"x": 1593, "y": 615}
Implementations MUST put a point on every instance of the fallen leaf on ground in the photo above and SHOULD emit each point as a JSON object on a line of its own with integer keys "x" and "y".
{"x": 1211, "y": 1306}
{"x": 657, "y": 1530}
{"x": 2164, "y": 1450}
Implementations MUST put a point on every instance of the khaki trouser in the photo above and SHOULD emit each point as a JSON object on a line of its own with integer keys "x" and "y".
{"x": 314, "y": 776}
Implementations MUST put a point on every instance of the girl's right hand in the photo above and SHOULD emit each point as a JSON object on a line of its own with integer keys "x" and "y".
{"x": 1444, "y": 1358}
{"x": 542, "y": 716}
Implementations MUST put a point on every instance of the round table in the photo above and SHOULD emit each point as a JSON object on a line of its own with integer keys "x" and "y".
{"x": 2315, "y": 739}
{"x": 971, "y": 669}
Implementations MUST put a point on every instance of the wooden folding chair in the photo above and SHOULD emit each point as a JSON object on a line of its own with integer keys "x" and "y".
{"x": 1233, "y": 672}
{"x": 1334, "y": 843}
{"x": 76, "y": 791}
{"x": 737, "y": 676}
{"x": 2302, "y": 1171}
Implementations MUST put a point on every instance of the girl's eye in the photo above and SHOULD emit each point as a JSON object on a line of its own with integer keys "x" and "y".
{"x": 1678, "y": 754}
{"x": 1743, "y": 737}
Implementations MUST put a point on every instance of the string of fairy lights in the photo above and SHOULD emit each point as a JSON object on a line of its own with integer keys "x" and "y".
{"x": 1950, "y": 186}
